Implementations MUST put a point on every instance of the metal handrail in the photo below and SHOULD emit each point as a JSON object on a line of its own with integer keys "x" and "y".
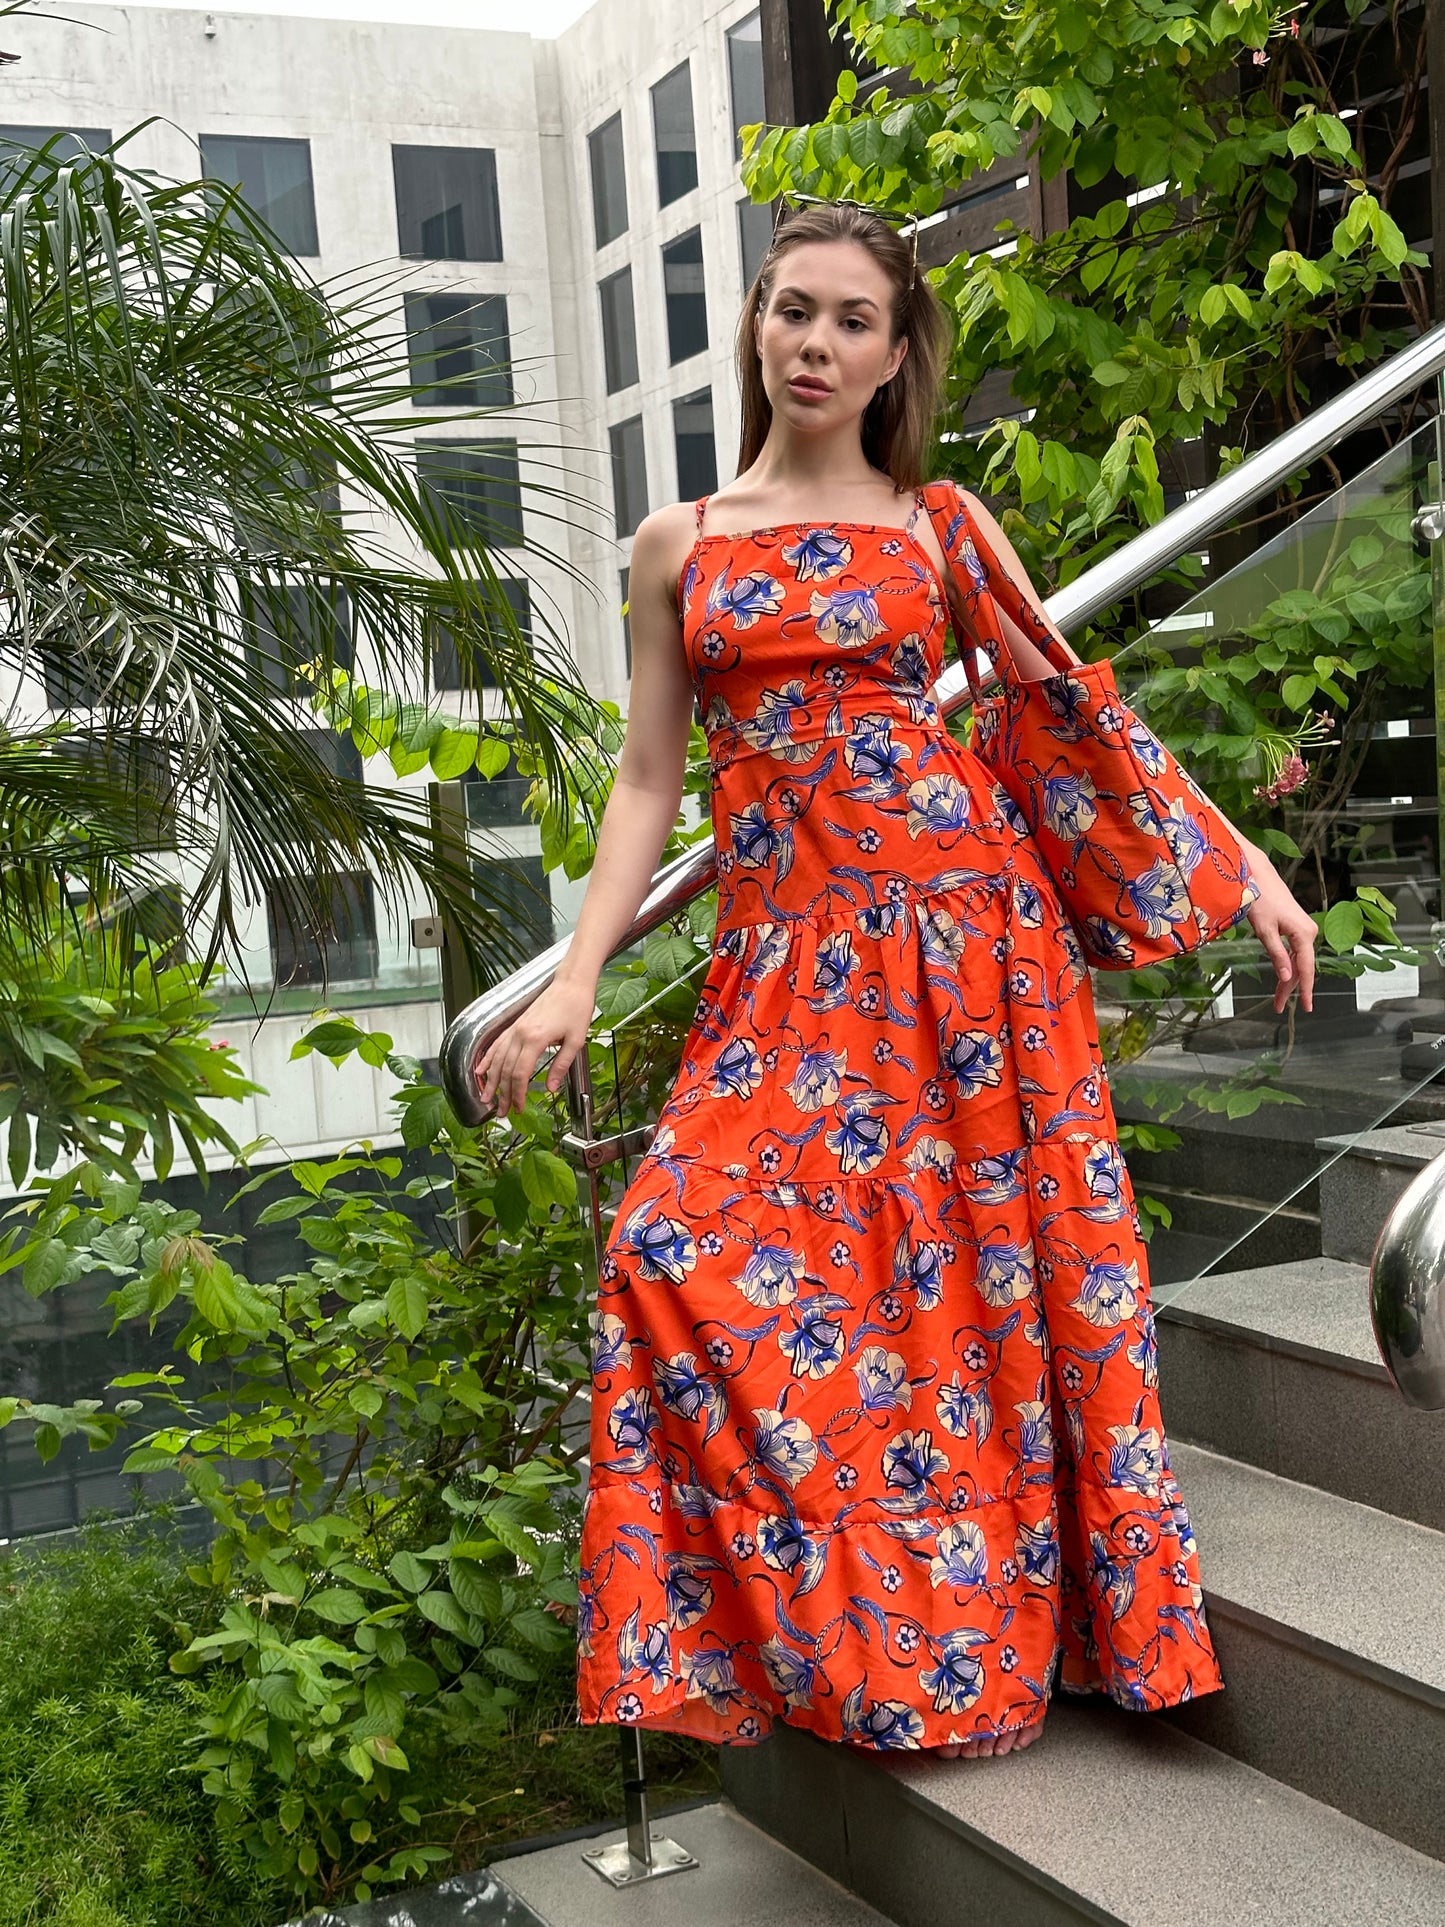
{"x": 1127, "y": 569}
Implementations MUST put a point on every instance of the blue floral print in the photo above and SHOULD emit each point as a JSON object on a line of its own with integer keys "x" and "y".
{"x": 876, "y": 1443}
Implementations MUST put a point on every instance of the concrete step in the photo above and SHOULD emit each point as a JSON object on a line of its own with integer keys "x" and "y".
{"x": 744, "y": 1878}
{"x": 1228, "y": 1157}
{"x": 1206, "y": 1225}
{"x": 1327, "y": 1617}
{"x": 1109, "y": 1816}
{"x": 1279, "y": 1367}
{"x": 1358, "y": 1190}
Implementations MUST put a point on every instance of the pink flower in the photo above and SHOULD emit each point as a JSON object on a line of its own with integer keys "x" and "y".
{"x": 1293, "y": 771}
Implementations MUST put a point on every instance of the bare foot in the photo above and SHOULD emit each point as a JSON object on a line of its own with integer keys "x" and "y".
{"x": 990, "y": 1744}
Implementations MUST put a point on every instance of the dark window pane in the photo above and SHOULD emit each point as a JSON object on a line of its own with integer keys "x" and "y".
{"x": 481, "y": 482}
{"x": 335, "y": 751}
{"x": 609, "y": 181}
{"x": 629, "y": 473}
{"x": 673, "y": 135}
{"x": 289, "y": 623}
{"x": 274, "y": 177}
{"x": 460, "y": 350}
{"x": 692, "y": 434}
{"x": 79, "y": 680}
{"x": 619, "y": 330}
{"x": 157, "y": 916}
{"x": 447, "y": 670}
{"x": 755, "y": 230}
{"x": 294, "y": 513}
{"x": 745, "y": 74}
{"x": 522, "y": 891}
{"x": 70, "y": 146}
{"x": 136, "y": 766}
{"x": 686, "y": 301}
{"x": 340, "y": 949}
{"x": 495, "y": 802}
{"x": 446, "y": 203}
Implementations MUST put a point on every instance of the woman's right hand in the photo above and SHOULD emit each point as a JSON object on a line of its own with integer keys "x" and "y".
{"x": 560, "y": 1015}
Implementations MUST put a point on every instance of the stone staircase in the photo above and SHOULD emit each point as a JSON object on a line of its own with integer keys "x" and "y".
{"x": 1312, "y": 1789}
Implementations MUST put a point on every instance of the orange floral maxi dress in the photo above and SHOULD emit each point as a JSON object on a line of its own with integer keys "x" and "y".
{"x": 876, "y": 1446}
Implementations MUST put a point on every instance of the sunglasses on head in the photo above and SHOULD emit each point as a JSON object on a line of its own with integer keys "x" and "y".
{"x": 790, "y": 199}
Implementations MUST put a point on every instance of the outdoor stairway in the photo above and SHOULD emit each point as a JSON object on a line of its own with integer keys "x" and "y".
{"x": 1312, "y": 1789}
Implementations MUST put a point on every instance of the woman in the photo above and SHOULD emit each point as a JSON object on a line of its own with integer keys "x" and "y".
{"x": 876, "y": 1445}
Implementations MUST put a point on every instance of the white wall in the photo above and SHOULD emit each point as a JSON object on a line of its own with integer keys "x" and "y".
{"x": 608, "y": 62}
{"x": 351, "y": 89}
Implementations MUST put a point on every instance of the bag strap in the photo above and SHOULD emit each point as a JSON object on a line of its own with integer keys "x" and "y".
{"x": 982, "y": 582}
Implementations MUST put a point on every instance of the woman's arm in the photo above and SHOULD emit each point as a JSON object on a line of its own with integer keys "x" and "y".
{"x": 641, "y": 810}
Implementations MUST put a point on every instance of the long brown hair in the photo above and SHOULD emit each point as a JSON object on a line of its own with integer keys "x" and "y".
{"x": 898, "y": 424}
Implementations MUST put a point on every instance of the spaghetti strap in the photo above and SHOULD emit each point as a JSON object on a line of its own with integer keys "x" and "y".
{"x": 702, "y": 502}
{"x": 918, "y": 504}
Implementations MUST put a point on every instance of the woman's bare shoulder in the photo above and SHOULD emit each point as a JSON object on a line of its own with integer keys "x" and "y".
{"x": 660, "y": 547}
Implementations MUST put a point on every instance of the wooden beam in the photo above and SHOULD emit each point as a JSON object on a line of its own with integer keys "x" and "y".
{"x": 801, "y": 64}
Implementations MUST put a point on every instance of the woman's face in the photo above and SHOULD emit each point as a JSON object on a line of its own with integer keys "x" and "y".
{"x": 823, "y": 338}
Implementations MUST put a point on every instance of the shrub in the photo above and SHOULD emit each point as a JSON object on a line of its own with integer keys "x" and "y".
{"x": 103, "y": 1821}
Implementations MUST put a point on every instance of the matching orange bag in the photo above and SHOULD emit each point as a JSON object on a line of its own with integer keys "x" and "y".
{"x": 1145, "y": 865}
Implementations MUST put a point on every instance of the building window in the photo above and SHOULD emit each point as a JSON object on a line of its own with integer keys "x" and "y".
{"x": 446, "y": 203}
{"x": 673, "y": 135}
{"x": 336, "y": 752}
{"x": 609, "y": 181}
{"x": 755, "y": 231}
{"x": 274, "y": 177}
{"x": 71, "y": 145}
{"x": 460, "y": 350}
{"x": 340, "y": 949}
{"x": 448, "y": 672}
{"x": 619, "y": 330}
{"x": 745, "y": 75}
{"x": 518, "y": 890}
{"x": 287, "y": 624}
{"x": 623, "y": 576}
{"x": 480, "y": 482}
{"x": 77, "y": 678}
{"x": 496, "y": 802}
{"x": 629, "y": 473}
{"x": 692, "y": 435}
{"x": 686, "y": 300}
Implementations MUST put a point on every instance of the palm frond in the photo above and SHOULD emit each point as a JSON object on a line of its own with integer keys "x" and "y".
{"x": 198, "y": 446}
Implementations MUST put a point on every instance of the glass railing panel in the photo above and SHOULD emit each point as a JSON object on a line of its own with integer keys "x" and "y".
{"x": 1222, "y": 1102}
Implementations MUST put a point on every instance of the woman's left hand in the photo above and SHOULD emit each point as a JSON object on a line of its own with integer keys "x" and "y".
{"x": 1287, "y": 932}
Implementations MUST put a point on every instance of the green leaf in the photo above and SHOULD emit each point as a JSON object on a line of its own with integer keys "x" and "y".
{"x": 409, "y": 1572}
{"x": 407, "y": 1306}
{"x": 45, "y": 1267}
{"x": 19, "y": 1159}
{"x": 479, "y": 1591}
{"x": 1297, "y": 690}
{"x": 454, "y": 752}
{"x": 214, "y": 1296}
{"x": 1342, "y": 926}
{"x": 445, "y": 1612}
{"x": 366, "y": 1399}
{"x": 510, "y": 1665}
{"x": 541, "y": 1630}
{"x": 337, "y": 1605}
{"x": 519, "y": 1543}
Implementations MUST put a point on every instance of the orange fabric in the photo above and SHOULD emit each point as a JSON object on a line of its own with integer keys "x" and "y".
{"x": 876, "y": 1445}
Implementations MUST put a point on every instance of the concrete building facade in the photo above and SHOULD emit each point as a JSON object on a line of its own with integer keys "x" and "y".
{"x": 581, "y": 196}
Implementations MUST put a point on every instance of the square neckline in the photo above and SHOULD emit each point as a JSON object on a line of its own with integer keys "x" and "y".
{"x": 905, "y": 529}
